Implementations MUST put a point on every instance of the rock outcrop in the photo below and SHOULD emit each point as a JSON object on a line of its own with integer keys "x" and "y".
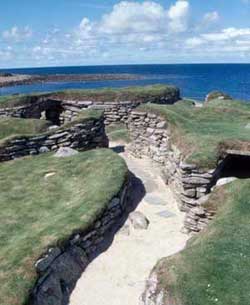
{"x": 217, "y": 95}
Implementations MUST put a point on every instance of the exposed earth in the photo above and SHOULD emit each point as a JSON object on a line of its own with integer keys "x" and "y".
{"x": 118, "y": 275}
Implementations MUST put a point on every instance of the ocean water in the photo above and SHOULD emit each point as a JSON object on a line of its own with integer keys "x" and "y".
{"x": 194, "y": 80}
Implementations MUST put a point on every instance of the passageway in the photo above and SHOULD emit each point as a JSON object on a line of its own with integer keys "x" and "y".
{"x": 118, "y": 275}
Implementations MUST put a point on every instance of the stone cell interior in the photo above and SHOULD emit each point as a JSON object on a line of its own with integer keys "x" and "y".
{"x": 236, "y": 166}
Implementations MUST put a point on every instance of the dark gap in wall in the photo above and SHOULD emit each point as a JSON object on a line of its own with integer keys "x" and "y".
{"x": 53, "y": 114}
{"x": 236, "y": 166}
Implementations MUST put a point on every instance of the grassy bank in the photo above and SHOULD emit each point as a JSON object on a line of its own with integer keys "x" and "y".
{"x": 146, "y": 93}
{"x": 14, "y": 126}
{"x": 118, "y": 132}
{"x": 38, "y": 211}
{"x": 10, "y": 101}
{"x": 200, "y": 132}
{"x": 214, "y": 268}
{"x": 11, "y": 128}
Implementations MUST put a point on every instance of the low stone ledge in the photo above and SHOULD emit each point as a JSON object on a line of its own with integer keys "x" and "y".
{"x": 60, "y": 267}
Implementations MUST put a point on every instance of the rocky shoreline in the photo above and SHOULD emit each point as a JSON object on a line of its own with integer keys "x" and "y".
{"x": 9, "y": 79}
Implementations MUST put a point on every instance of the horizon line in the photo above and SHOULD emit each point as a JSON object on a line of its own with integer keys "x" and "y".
{"x": 133, "y": 64}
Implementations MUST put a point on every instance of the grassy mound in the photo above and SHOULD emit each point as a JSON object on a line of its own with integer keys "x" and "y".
{"x": 200, "y": 132}
{"x": 147, "y": 94}
{"x": 118, "y": 132}
{"x": 11, "y": 128}
{"x": 37, "y": 212}
{"x": 214, "y": 268}
{"x": 14, "y": 126}
{"x": 10, "y": 101}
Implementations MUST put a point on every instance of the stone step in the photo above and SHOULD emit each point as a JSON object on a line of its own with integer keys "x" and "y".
{"x": 166, "y": 214}
{"x": 154, "y": 200}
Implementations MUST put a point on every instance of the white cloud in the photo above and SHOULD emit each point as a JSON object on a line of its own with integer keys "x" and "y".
{"x": 194, "y": 42}
{"x": 178, "y": 14}
{"x": 229, "y": 42}
{"x": 133, "y": 24}
{"x": 16, "y": 34}
{"x": 5, "y": 55}
{"x": 227, "y": 34}
{"x": 127, "y": 17}
{"x": 133, "y": 31}
{"x": 211, "y": 17}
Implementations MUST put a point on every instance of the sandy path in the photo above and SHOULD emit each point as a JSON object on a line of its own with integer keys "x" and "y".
{"x": 117, "y": 276}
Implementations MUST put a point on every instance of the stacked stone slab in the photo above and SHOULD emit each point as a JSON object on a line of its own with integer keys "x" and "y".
{"x": 60, "y": 267}
{"x": 151, "y": 136}
{"x": 113, "y": 111}
{"x": 84, "y": 135}
{"x": 33, "y": 108}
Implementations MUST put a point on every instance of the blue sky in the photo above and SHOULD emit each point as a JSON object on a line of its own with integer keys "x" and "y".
{"x": 81, "y": 32}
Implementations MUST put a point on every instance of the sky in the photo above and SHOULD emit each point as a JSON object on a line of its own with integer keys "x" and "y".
{"x": 95, "y": 32}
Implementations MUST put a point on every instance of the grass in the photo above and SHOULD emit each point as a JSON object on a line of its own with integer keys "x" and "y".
{"x": 118, "y": 132}
{"x": 200, "y": 132}
{"x": 214, "y": 268}
{"x": 37, "y": 212}
{"x": 11, "y": 128}
{"x": 10, "y": 101}
{"x": 146, "y": 93}
{"x": 15, "y": 126}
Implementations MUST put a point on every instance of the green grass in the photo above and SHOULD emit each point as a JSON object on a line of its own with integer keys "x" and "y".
{"x": 37, "y": 212}
{"x": 10, "y": 101}
{"x": 145, "y": 93}
{"x": 198, "y": 132}
{"x": 118, "y": 132}
{"x": 214, "y": 268}
{"x": 15, "y": 126}
{"x": 11, "y": 128}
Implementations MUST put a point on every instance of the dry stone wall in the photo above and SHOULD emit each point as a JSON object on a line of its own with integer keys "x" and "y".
{"x": 61, "y": 111}
{"x": 151, "y": 136}
{"x": 84, "y": 135}
{"x": 33, "y": 108}
{"x": 60, "y": 267}
{"x": 113, "y": 111}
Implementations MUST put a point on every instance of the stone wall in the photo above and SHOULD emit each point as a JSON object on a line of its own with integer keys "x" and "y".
{"x": 88, "y": 134}
{"x": 67, "y": 110}
{"x": 34, "y": 108}
{"x": 61, "y": 111}
{"x": 151, "y": 136}
{"x": 113, "y": 111}
{"x": 60, "y": 267}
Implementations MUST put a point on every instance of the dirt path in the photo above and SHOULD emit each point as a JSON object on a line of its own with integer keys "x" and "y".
{"x": 117, "y": 276}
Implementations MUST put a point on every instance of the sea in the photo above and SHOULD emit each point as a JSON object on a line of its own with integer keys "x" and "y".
{"x": 194, "y": 80}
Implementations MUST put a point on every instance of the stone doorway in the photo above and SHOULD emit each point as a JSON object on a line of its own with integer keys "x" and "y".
{"x": 53, "y": 114}
{"x": 237, "y": 166}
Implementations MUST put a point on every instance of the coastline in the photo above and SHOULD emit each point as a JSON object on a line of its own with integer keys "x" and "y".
{"x": 23, "y": 79}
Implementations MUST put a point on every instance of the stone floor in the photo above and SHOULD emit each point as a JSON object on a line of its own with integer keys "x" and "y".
{"x": 117, "y": 276}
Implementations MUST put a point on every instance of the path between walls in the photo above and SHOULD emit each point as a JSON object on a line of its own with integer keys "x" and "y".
{"x": 117, "y": 276}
